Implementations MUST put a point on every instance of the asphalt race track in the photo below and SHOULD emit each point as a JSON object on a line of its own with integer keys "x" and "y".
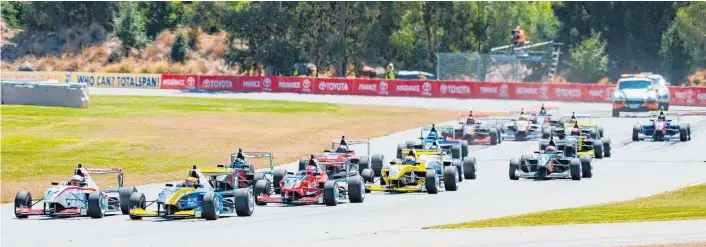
{"x": 636, "y": 169}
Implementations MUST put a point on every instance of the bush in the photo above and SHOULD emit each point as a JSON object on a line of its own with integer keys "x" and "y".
{"x": 589, "y": 58}
{"x": 179, "y": 47}
{"x": 130, "y": 27}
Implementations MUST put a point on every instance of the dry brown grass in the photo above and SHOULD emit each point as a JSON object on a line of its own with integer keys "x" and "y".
{"x": 698, "y": 78}
{"x": 604, "y": 81}
{"x": 287, "y": 136}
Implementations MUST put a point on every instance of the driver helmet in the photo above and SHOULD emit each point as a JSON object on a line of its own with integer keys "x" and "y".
{"x": 523, "y": 117}
{"x": 191, "y": 181}
{"x": 239, "y": 163}
{"x": 341, "y": 149}
{"x": 575, "y": 131}
{"x": 75, "y": 180}
{"x": 661, "y": 117}
{"x": 550, "y": 150}
{"x": 310, "y": 170}
{"x": 470, "y": 120}
{"x": 410, "y": 160}
{"x": 434, "y": 145}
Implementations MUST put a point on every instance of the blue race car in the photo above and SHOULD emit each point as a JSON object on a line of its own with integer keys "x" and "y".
{"x": 202, "y": 195}
{"x": 661, "y": 128}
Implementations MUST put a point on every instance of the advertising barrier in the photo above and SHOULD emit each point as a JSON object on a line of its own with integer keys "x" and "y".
{"x": 572, "y": 92}
{"x": 118, "y": 80}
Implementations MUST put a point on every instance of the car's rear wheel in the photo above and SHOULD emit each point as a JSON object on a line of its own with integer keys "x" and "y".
{"x": 469, "y": 168}
{"x": 456, "y": 152}
{"x": 376, "y": 163}
{"x": 494, "y": 136}
{"x": 606, "y": 147}
{"x": 683, "y": 133}
{"x": 514, "y": 166}
{"x": 96, "y": 207}
{"x": 331, "y": 193}
{"x": 276, "y": 178}
{"x": 598, "y": 149}
{"x": 244, "y": 202}
{"x": 124, "y": 197}
{"x": 363, "y": 163}
{"x": 22, "y": 199}
{"x": 451, "y": 178}
{"x": 400, "y": 147}
{"x": 586, "y": 168}
{"x": 575, "y": 167}
{"x": 356, "y": 189}
{"x": 210, "y": 206}
{"x": 367, "y": 175}
{"x": 464, "y": 149}
{"x": 636, "y": 129}
{"x": 431, "y": 182}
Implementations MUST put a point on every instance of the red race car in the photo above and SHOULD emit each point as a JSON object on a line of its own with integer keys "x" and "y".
{"x": 345, "y": 156}
{"x": 315, "y": 185}
{"x": 476, "y": 128}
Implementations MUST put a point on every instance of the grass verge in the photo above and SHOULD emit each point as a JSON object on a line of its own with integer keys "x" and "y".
{"x": 155, "y": 139}
{"x": 684, "y": 204}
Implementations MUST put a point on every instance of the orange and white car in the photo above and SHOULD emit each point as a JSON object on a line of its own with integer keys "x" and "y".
{"x": 640, "y": 92}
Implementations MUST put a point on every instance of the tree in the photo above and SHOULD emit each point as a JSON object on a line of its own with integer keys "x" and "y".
{"x": 179, "y": 47}
{"x": 589, "y": 58}
{"x": 130, "y": 27}
{"x": 684, "y": 43}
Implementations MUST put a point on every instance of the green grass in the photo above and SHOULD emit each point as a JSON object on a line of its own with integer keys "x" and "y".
{"x": 683, "y": 204}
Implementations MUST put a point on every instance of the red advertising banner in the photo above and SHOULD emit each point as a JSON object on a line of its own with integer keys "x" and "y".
{"x": 412, "y": 88}
{"x": 183, "y": 82}
{"x": 338, "y": 86}
{"x": 573, "y": 92}
{"x": 567, "y": 92}
{"x": 218, "y": 83}
{"x": 288, "y": 84}
{"x": 371, "y": 87}
{"x": 452, "y": 89}
{"x": 492, "y": 90}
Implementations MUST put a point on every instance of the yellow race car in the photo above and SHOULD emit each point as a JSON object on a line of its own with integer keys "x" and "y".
{"x": 421, "y": 171}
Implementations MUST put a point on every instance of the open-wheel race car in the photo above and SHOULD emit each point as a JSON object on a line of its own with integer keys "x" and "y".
{"x": 245, "y": 173}
{"x": 79, "y": 196}
{"x": 578, "y": 139}
{"x": 662, "y": 127}
{"x": 551, "y": 163}
{"x": 424, "y": 170}
{"x": 542, "y": 115}
{"x": 520, "y": 128}
{"x": 429, "y": 135}
{"x": 475, "y": 128}
{"x": 204, "y": 194}
{"x": 318, "y": 183}
{"x": 343, "y": 155}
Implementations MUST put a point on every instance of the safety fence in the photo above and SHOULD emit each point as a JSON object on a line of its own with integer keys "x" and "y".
{"x": 572, "y": 92}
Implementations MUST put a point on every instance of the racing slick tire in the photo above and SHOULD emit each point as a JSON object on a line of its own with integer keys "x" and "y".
{"x": 400, "y": 146}
{"x": 124, "y": 197}
{"x": 376, "y": 163}
{"x": 469, "y": 168}
{"x": 546, "y": 133}
{"x": 494, "y": 136}
{"x": 464, "y": 149}
{"x": 593, "y": 134}
{"x": 257, "y": 176}
{"x": 261, "y": 187}
{"x": 302, "y": 163}
{"x": 451, "y": 178}
{"x": 598, "y": 149}
{"x": 456, "y": 152}
{"x": 96, "y": 208}
{"x": 586, "y": 168}
{"x": 210, "y": 209}
{"x": 356, "y": 189}
{"x": 514, "y": 166}
{"x": 459, "y": 168}
{"x": 367, "y": 175}
{"x": 244, "y": 202}
{"x": 523, "y": 163}
{"x": 276, "y": 177}
{"x": 569, "y": 151}
{"x": 446, "y": 133}
{"x": 636, "y": 129}
{"x": 410, "y": 144}
{"x": 688, "y": 130}
{"x": 683, "y": 133}
{"x": 137, "y": 200}
{"x": 363, "y": 163}
{"x": 600, "y": 131}
{"x": 431, "y": 182}
{"x": 22, "y": 199}
{"x": 331, "y": 193}
{"x": 606, "y": 147}
{"x": 575, "y": 167}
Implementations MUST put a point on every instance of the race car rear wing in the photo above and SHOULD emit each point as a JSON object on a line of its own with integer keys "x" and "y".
{"x": 234, "y": 156}
{"x": 334, "y": 142}
{"x": 655, "y": 114}
{"x": 100, "y": 171}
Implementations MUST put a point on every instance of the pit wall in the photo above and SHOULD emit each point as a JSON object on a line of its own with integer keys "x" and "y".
{"x": 571, "y": 92}
{"x": 74, "y": 95}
